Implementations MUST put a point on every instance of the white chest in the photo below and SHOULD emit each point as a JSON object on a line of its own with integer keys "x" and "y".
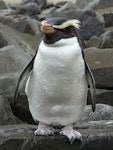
{"x": 62, "y": 55}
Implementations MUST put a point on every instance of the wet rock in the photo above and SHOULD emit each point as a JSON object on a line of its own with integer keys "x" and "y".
{"x": 6, "y": 115}
{"x": 22, "y": 137}
{"x": 107, "y": 39}
{"x": 101, "y": 63}
{"x": 103, "y": 112}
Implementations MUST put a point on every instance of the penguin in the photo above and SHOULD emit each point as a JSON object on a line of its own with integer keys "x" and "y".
{"x": 58, "y": 79}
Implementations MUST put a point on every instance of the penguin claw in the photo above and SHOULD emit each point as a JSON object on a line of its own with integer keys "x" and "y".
{"x": 44, "y": 131}
{"x": 72, "y": 135}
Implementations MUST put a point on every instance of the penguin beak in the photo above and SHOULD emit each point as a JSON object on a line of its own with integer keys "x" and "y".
{"x": 47, "y": 28}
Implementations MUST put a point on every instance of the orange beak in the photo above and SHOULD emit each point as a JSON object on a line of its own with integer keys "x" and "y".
{"x": 47, "y": 29}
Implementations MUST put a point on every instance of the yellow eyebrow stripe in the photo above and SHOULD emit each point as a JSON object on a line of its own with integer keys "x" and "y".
{"x": 74, "y": 22}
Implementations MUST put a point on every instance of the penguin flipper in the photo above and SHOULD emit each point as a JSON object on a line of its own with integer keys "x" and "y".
{"x": 24, "y": 74}
{"x": 91, "y": 86}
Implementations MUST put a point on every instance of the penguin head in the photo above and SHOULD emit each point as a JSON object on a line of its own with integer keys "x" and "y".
{"x": 58, "y": 28}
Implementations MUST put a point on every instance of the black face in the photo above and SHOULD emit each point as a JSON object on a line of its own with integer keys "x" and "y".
{"x": 59, "y": 33}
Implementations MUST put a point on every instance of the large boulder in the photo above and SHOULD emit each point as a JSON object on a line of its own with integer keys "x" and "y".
{"x": 101, "y": 63}
{"x": 18, "y": 50}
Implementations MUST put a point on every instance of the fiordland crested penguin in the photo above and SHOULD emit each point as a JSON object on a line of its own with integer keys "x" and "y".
{"x": 58, "y": 79}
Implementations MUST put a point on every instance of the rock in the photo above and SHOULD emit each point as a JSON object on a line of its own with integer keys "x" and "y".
{"x": 94, "y": 4}
{"x": 30, "y": 9}
{"x": 90, "y": 21}
{"x": 23, "y": 41}
{"x": 12, "y": 60}
{"x": 107, "y": 39}
{"x": 47, "y": 12}
{"x": 23, "y": 24}
{"x": 41, "y": 3}
{"x": 6, "y": 115}
{"x": 101, "y": 124}
{"x": 3, "y": 5}
{"x": 101, "y": 67}
{"x": 3, "y": 42}
{"x": 22, "y": 137}
{"x": 105, "y": 98}
{"x": 103, "y": 112}
{"x": 94, "y": 41}
{"x": 108, "y": 17}
{"x": 14, "y": 57}
{"x": 92, "y": 24}
{"x": 82, "y": 4}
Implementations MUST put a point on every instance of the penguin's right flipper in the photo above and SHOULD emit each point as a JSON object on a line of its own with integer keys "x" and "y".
{"x": 24, "y": 74}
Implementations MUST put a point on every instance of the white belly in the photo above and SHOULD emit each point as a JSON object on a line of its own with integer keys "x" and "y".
{"x": 57, "y": 88}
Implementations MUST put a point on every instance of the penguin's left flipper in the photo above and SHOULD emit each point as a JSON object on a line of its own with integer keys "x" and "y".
{"x": 24, "y": 74}
{"x": 91, "y": 86}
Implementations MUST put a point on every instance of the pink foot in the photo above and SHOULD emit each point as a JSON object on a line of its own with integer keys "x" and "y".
{"x": 70, "y": 133}
{"x": 44, "y": 129}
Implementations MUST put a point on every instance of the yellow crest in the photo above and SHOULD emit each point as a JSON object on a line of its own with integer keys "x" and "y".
{"x": 74, "y": 22}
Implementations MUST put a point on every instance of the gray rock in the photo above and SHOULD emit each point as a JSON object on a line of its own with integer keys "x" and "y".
{"x": 30, "y": 9}
{"x": 41, "y": 3}
{"x": 92, "y": 24}
{"x": 94, "y": 4}
{"x": 101, "y": 63}
{"x": 14, "y": 57}
{"x": 3, "y": 5}
{"x": 47, "y": 13}
{"x": 94, "y": 41}
{"x": 20, "y": 40}
{"x": 3, "y": 42}
{"x": 105, "y": 98}
{"x": 108, "y": 17}
{"x": 101, "y": 124}
{"x": 82, "y": 4}
{"x": 22, "y": 137}
{"x": 107, "y": 39}
{"x": 6, "y": 115}
{"x": 103, "y": 112}
{"x": 12, "y": 60}
{"x": 23, "y": 24}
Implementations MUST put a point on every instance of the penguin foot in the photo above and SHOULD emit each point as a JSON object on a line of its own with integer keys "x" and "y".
{"x": 71, "y": 134}
{"x": 44, "y": 129}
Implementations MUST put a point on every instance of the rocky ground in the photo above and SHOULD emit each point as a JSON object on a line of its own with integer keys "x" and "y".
{"x": 19, "y": 36}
